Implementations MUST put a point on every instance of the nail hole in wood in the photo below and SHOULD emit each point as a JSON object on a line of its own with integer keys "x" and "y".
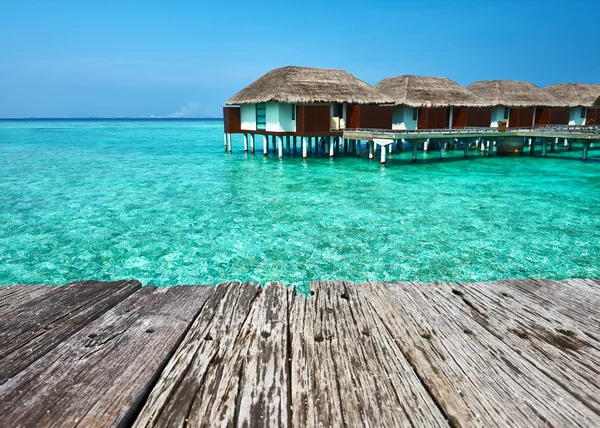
{"x": 208, "y": 337}
{"x": 521, "y": 334}
{"x": 312, "y": 293}
{"x": 503, "y": 294}
{"x": 150, "y": 330}
{"x": 426, "y": 336}
{"x": 319, "y": 337}
{"x": 569, "y": 333}
{"x": 467, "y": 331}
{"x": 92, "y": 335}
{"x": 457, "y": 292}
{"x": 345, "y": 296}
{"x": 265, "y": 334}
{"x": 366, "y": 332}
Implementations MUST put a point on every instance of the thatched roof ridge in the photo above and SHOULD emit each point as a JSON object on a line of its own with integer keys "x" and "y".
{"x": 575, "y": 94}
{"x": 298, "y": 85}
{"x": 513, "y": 93}
{"x": 427, "y": 91}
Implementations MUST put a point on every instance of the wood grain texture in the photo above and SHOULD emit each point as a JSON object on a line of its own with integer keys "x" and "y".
{"x": 476, "y": 377}
{"x": 231, "y": 368}
{"x": 506, "y": 353}
{"x": 346, "y": 368}
{"x": 539, "y": 334}
{"x": 13, "y": 296}
{"x": 101, "y": 375}
{"x": 32, "y": 330}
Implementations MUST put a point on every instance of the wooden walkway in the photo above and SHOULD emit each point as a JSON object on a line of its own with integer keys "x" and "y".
{"x": 507, "y": 353}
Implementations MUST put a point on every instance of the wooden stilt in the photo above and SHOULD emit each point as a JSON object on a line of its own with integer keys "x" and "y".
{"x": 544, "y": 148}
{"x": 245, "y": 142}
{"x": 287, "y": 145}
{"x": 332, "y": 146}
{"x": 280, "y": 146}
{"x": 310, "y": 144}
{"x": 466, "y": 149}
{"x": 553, "y": 145}
{"x": 383, "y": 150}
{"x": 229, "y": 143}
{"x": 358, "y": 144}
{"x": 414, "y": 147}
{"x": 371, "y": 149}
{"x": 304, "y": 143}
{"x": 442, "y": 150}
{"x": 225, "y": 141}
{"x": 252, "y": 143}
{"x": 586, "y": 148}
{"x": 265, "y": 145}
{"x": 426, "y": 145}
{"x": 295, "y": 146}
{"x": 531, "y": 146}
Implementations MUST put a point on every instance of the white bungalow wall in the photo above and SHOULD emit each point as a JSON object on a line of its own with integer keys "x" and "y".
{"x": 497, "y": 116}
{"x": 248, "y": 117}
{"x": 575, "y": 116}
{"x": 279, "y": 118}
{"x": 402, "y": 118}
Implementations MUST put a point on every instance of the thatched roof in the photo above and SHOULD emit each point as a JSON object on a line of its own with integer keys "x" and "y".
{"x": 425, "y": 91}
{"x": 597, "y": 103}
{"x": 513, "y": 93}
{"x": 575, "y": 94}
{"x": 308, "y": 85}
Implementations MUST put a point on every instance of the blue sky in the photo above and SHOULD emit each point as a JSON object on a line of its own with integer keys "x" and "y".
{"x": 106, "y": 59}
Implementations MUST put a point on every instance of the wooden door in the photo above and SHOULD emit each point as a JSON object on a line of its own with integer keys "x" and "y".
{"x": 592, "y": 116}
{"x": 459, "y": 117}
{"x": 479, "y": 117}
{"x": 521, "y": 117}
{"x": 433, "y": 118}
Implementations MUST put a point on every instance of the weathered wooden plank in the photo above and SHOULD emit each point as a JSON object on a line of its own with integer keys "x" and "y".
{"x": 34, "y": 329}
{"x": 544, "y": 337}
{"x": 476, "y": 378}
{"x": 13, "y": 296}
{"x": 346, "y": 368}
{"x": 101, "y": 375}
{"x": 231, "y": 368}
{"x": 574, "y": 300}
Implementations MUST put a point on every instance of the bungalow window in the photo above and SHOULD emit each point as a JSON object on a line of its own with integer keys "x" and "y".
{"x": 506, "y": 112}
{"x": 415, "y": 113}
{"x": 338, "y": 110}
{"x": 293, "y": 111}
{"x": 261, "y": 117}
{"x": 583, "y": 112}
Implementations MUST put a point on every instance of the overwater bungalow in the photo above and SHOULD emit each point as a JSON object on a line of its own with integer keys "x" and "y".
{"x": 521, "y": 104}
{"x": 424, "y": 102}
{"x": 579, "y": 98}
{"x": 292, "y": 102}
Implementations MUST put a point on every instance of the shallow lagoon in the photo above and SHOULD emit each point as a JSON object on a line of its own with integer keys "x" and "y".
{"x": 161, "y": 202}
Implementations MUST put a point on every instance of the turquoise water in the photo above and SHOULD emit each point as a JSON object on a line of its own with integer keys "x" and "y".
{"x": 161, "y": 202}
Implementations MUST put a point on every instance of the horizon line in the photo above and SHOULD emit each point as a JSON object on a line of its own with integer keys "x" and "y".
{"x": 109, "y": 118}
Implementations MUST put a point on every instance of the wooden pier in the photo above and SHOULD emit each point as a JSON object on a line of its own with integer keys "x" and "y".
{"x": 506, "y": 353}
{"x": 487, "y": 140}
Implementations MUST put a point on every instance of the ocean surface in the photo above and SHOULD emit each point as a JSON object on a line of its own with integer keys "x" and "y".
{"x": 161, "y": 202}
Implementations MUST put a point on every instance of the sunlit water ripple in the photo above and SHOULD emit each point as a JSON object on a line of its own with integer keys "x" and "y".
{"x": 161, "y": 202}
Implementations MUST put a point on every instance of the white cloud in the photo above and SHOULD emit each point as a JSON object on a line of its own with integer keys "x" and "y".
{"x": 191, "y": 109}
